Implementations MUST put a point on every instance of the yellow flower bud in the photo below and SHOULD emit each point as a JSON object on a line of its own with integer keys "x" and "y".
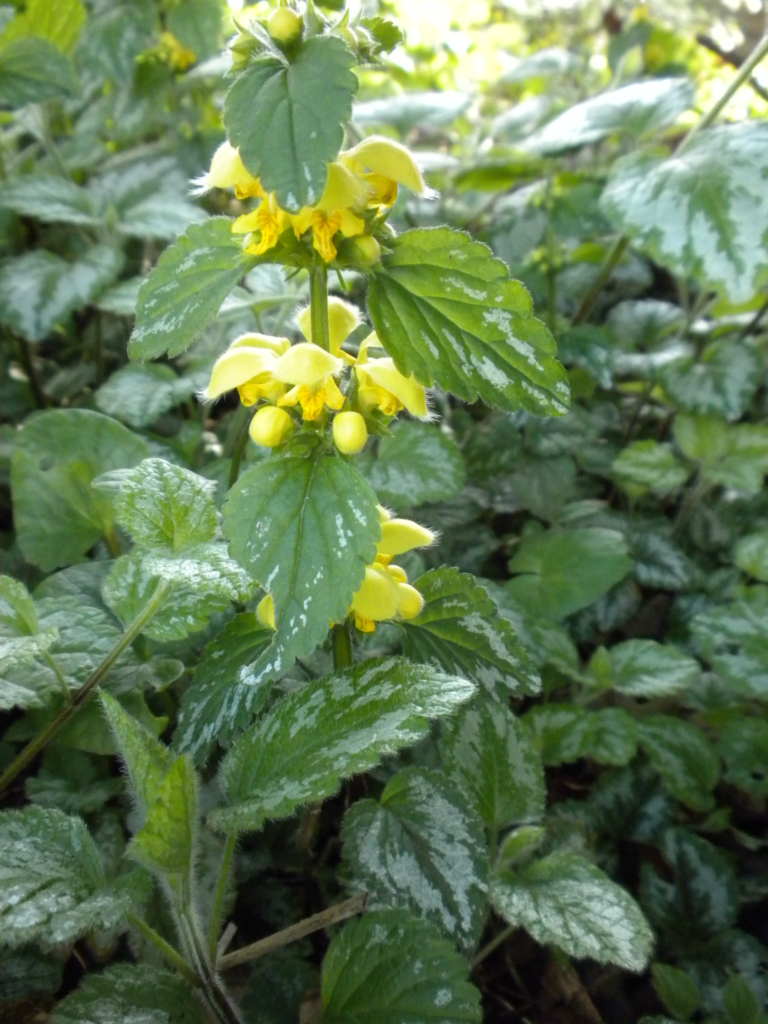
{"x": 401, "y": 535}
{"x": 285, "y": 26}
{"x": 366, "y": 251}
{"x": 265, "y": 612}
{"x": 349, "y": 432}
{"x": 270, "y": 426}
{"x": 411, "y": 601}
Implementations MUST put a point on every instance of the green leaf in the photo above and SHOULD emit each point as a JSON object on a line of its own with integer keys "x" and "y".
{"x": 448, "y": 313}
{"x": 702, "y": 900}
{"x": 59, "y": 23}
{"x": 393, "y": 967}
{"x": 677, "y": 990}
{"x": 743, "y": 745}
{"x": 165, "y": 506}
{"x": 409, "y": 109}
{"x": 386, "y": 34}
{"x": 205, "y": 581}
{"x": 563, "y": 571}
{"x": 166, "y": 843}
{"x": 139, "y": 393}
{"x": 58, "y": 516}
{"x": 183, "y": 293}
{"x": 17, "y": 610}
{"x": 221, "y": 697}
{"x": 146, "y": 759}
{"x": 50, "y": 199}
{"x": 567, "y": 733}
{"x": 644, "y": 668}
{"x": 34, "y": 70}
{"x": 287, "y": 117}
{"x": 460, "y": 629}
{"x": 751, "y": 555}
{"x": 733, "y": 638}
{"x": 703, "y": 213}
{"x": 277, "y": 986}
{"x": 683, "y": 757}
{"x": 38, "y": 290}
{"x": 28, "y": 976}
{"x": 417, "y": 465}
{"x": 331, "y": 728}
{"x": 73, "y": 781}
{"x": 130, "y": 994}
{"x": 492, "y": 755}
{"x": 649, "y": 466}
{"x": 740, "y": 1003}
{"x": 53, "y": 885}
{"x": 305, "y": 528}
{"x": 722, "y": 380}
{"x": 637, "y": 109}
{"x": 566, "y": 901}
{"x": 733, "y": 456}
{"x": 21, "y": 641}
{"x": 422, "y": 849}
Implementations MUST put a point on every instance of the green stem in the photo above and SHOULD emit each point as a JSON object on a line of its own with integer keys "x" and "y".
{"x": 609, "y": 265}
{"x": 165, "y": 949}
{"x": 745, "y": 70}
{"x": 216, "y": 998}
{"x": 237, "y": 454}
{"x": 42, "y": 740}
{"x": 342, "y": 646}
{"x": 218, "y": 896}
{"x": 318, "y": 297}
{"x": 29, "y": 369}
{"x": 54, "y": 665}
{"x": 492, "y": 945}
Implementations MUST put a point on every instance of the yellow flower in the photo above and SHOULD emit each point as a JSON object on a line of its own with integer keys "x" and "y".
{"x": 170, "y": 51}
{"x": 248, "y": 365}
{"x": 262, "y": 226}
{"x": 228, "y": 171}
{"x": 349, "y": 432}
{"x": 383, "y": 165}
{"x": 311, "y": 370}
{"x": 380, "y": 385}
{"x": 385, "y": 592}
{"x": 270, "y": 426}
{"x": 343, "y": 318}
{"x": 344, "y": 192}
{"x": 265, "y": 612}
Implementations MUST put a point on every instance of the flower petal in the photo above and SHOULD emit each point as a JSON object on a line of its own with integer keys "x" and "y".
{"x": 237, "y": 366}
{"x": 390, "y": 159}
{"x": 306, "y": 364}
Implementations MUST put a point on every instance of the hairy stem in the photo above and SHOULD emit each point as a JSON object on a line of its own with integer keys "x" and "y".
{"x": 318, "y": 297}
{"x": 492, "y": 945}
{"x": 217, "y": 1000}
{"x": 54, "y": 666}
{"x": 333, "y": 915}
{"x": 165, "y": 949}
{"x": 43, "y": 738}
{"x": 218, "y": 896}
{"x": 342, "y": 646}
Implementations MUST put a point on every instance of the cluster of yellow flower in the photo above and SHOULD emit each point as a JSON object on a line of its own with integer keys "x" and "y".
{"x": 361, "y": 183}
{"x": 385, "y": 592}
{"x": 269, "y": 369}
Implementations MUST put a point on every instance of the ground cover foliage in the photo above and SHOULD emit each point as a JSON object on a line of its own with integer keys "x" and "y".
{"x": 530, "y": 783}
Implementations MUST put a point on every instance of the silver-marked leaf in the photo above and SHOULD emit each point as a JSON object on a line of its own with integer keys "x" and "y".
{"x": 57, "y": 514}
{"x": 459, "y": 628}
{"x": 38, "y": 290}
{"x": 130, "y": 994}
{"x": 422, "y": 849}
{"x": 183, "y": 293}
{"x": 635, "y": 109}
{"x": 163, "y": 506}
{"x": 287, "y": 117}
{"x": 722, "y": 380}
{"x": 33, "y": 70}
{"x": 50, "y": 199}
{"x": 733, "y": 638}
{"x": 417, "y": 465}
{"x": 222, "y": 696}
{"x": 649, "y": 466}
{"x": 644, "y": 668}
{"x": 567, "y": 732}
{"x": 331, "y": 728}
{"x": 390, "y": 966}
{"x": 492, "y": 755}
{"x": 743, "y": 745}
{"x": 52, "y": 884}
{"x": 563, "y": 571}
{"x": 139, "y": 393}
{"x": 29, "y": 976}
{"x": 566, "y": 901}
{"x": 447, "y": 312}
{"x": 683, "y": 757}
{"x": 305, "y": 528}
{"x": 703, "y": 213}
